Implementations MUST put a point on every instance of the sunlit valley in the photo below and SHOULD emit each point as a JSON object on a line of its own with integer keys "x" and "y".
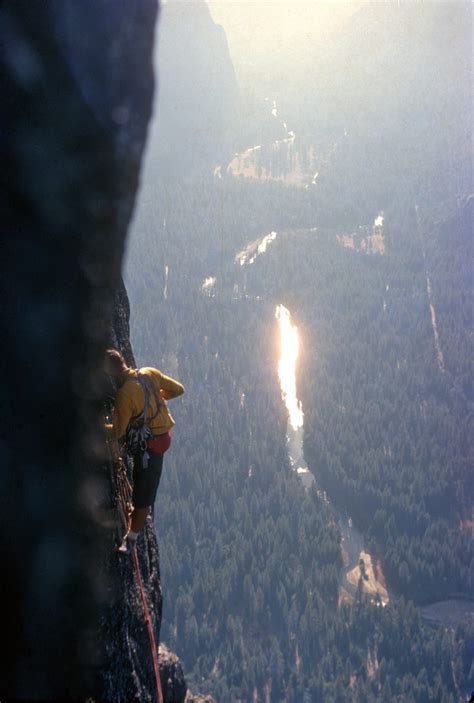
{"x": 301, "y": 259}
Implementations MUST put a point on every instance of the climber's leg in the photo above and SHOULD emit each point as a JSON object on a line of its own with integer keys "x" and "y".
{"x": 139, "y": 517}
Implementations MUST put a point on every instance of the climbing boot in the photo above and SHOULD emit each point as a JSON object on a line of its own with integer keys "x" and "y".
{"x": 127, "y": 546}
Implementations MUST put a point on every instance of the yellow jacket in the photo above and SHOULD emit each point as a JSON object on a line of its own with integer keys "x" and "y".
{"x": 130, "y": 401}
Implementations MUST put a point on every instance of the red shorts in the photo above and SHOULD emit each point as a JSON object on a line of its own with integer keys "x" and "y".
{"x": 159, "y": 443}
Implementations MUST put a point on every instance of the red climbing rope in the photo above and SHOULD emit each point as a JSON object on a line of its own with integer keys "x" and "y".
{"x": 124, "y": 504}
{"x": 149, "y": 625}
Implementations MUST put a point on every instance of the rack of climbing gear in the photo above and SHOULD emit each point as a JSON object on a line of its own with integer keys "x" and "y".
{"x": 124, "y": 497}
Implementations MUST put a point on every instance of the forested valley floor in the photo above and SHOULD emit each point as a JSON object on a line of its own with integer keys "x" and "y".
{"x": 250, "y": 560}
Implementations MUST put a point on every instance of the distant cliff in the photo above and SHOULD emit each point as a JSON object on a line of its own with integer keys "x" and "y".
{"x": 198, "y": 101}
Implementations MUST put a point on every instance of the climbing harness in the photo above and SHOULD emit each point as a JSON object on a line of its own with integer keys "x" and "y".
{"x": 138, "y": 430}
{"x": 124, "y": 505}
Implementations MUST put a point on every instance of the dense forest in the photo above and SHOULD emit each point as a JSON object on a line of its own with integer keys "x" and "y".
{"x": 366, "y": 186}
{"x": 250, "y": 559}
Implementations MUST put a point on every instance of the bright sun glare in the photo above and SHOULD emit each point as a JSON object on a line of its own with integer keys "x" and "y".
{"x": 289, "y": 350}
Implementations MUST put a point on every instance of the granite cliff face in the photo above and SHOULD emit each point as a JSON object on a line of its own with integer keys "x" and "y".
{"x": 78, "y": 89}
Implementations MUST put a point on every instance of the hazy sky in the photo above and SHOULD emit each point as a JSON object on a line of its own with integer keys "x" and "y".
{"x": 276, "y": 29}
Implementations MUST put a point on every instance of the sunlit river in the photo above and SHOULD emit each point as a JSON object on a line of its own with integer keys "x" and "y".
{"x": 352, "y": 543}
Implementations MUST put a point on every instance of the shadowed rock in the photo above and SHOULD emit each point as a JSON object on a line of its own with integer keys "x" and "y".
{"x": 77, "y": 97}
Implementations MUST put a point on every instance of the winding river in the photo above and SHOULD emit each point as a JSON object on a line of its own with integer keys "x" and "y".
{"x": 357, "y": 561}
{"x": 354, "y": 555}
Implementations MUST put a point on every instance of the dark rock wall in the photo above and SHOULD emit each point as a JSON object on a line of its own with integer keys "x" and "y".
{"x": 76, "y": 100}
{"x": 173, "y": 683}
{"x": 127, "y": 673}
{"x": 120, "y": 324}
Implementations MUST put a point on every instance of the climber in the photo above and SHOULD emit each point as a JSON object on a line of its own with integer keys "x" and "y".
{"x": 142, "y": 422}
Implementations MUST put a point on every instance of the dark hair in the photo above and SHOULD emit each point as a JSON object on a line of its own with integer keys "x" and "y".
{"x": 115, "y": 364}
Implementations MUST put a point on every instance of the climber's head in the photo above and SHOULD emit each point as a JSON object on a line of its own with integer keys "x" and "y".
{"x": 115, "y": 365}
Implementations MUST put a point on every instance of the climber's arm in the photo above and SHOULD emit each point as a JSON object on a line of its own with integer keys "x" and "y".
{"x": 124, "y": 410}
{"x": 170, "y": 388}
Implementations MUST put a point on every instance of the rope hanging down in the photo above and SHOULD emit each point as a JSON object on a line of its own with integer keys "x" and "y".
{"x": 149, "y": 626}
{"x": 124, "y": 492}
